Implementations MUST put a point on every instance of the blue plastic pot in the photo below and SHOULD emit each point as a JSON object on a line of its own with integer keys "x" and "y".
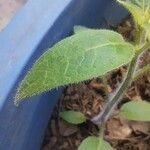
{"x": 36, "y": 27}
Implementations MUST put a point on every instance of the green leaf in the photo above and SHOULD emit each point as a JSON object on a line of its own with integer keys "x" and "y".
{"x": 135, "y": 11}
{"x": 136, "y": 110}
{"x": 83, "y": 56}
{"x": 94, "y": 143}
{"x": 73, "y": 117}
{"x": 140, "y": 9}
{"x": 141, "y": 3}
{"x": 78, "y": 29}
{"x": 147, "y": 29}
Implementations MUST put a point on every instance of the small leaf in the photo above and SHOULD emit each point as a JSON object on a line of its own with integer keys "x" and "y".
{"x": 94, "y": 143}
{"x": 83, "y": 56}
{"x": 139, "y": 9}
{"x": 78, "y": 29}
{"x": 136, "y": 110}
{"x": 73, "y": 117}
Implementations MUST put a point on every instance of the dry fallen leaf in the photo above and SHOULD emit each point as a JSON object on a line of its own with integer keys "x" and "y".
{"x": 143, "y": 127}
{"x": 143, "y": 146}
{"x": 67, "y": 129}
{"x": 118, "y": 130}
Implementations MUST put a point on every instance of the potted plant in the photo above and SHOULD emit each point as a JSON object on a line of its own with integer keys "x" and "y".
{"x": 37, "y": 26}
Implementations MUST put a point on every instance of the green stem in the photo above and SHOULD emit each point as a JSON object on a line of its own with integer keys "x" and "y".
{"x": 102, "y": 130}
{"x": 138, "y": 36}
{"x": 141, "y": 72}
{"x": 145, "y": 47}
{"x": 101, "y": 133}
{"x": 103, "y": 117}
{"x": 104, "y": 79}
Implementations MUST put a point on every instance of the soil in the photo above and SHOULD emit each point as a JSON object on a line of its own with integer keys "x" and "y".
{"x": 89, "y": 98}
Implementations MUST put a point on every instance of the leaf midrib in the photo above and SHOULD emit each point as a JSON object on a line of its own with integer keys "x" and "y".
{"x": 108, "y": 44}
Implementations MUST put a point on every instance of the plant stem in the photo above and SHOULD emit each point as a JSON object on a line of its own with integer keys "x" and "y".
{"x": 138, "y": 36}
{"x": 102, "y": 117}
{"x": 101, "y": 133}
{"x": 104, "y": 80}
{"x": 102, "y": 130}
{"x": 141, "y": 72}
{"x": 145, "y": 47}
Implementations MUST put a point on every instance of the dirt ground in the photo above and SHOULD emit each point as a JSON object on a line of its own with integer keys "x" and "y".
{"x": 89, "y": 98}
{"x": 8, "y": 8}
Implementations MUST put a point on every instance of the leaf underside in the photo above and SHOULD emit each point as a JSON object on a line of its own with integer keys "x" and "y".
{"x": 73, "y": 117}
{"x": 80, "y": 57}
{"x": 94, "y": 143}
{"x": 136, "y": 110}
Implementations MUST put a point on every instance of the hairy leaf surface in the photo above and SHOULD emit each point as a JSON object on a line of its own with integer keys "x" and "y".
{"x": 94, "y": 143}
{"x": 136, "y": 110}
{"x": 82, "y": 56}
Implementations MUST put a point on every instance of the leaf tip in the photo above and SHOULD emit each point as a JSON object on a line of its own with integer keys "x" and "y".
{"x": 19, "y": 96}
{"x": 17, "y": 99}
